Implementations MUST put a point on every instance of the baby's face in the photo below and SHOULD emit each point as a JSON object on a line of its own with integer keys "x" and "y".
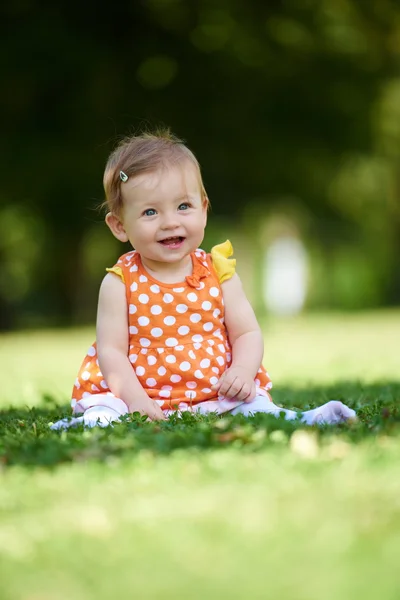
{"x": 164, "y": 213}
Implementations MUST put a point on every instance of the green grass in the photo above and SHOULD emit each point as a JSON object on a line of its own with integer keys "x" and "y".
{"x": 207, "y": 507}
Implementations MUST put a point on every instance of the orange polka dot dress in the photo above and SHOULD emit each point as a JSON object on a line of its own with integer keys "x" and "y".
{"x": 178, "y": 343}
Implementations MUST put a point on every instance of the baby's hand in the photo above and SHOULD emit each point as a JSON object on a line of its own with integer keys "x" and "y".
{"x": 236, "y": 383}
{"x": 147, "y": 406}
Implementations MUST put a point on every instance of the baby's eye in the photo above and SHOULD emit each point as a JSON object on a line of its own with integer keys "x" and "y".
{"x": 184, "y": 206}
{"x": 149, "y": 212}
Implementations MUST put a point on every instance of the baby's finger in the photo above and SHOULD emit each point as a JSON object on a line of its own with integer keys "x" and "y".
{"x": 234, "y": 389}
{"x": 220, "y": 383}
{"x": 225, "y": 386}
{"x": 244, "y": 392}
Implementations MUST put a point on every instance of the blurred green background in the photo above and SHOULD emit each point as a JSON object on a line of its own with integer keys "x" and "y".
{"x": 291, "y": 106}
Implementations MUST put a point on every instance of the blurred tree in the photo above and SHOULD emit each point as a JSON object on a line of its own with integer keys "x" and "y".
{"x": 276, "y": 99}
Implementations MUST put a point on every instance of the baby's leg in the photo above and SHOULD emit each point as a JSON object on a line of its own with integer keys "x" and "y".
{"x": 328, "y": 414}
{"x": 97, "y": 409}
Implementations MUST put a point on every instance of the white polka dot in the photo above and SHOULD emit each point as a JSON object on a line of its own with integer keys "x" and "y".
{"x": 156, "y": 310}
{"x": 192, "y": 355}
{"x": 192, "y": 297}
{"x": 161, "y": 370}
{"x": 215, "y": 370}
{"x": 196, "y": 346}
{"x": 151, "y": 360}
{"x": 143, "y": 298}
{"x": 210, "y": 351}
{"x": 211, "y": 342}
{"x": 198, "y": 374}
{"x": 171, "y": 342}
{"x": 140, "y": 371}
{"x": 103, "y": 384}
{"x": 133, "y": 358}
{"x": 144, "y": 342}
{"x": 142, "y": 278}
{"x": 143, "y": 321}
{"x": 164, "y": 393}
{"x": 134, "y": 268}
{"x": 132, "y": 309}
{"x": 220, "y": 360}
{"x": 169, "y": 320}
{"x": 221, "y": 348}
{"x": 257, "y": 382}
{"x": 202, "y": 285}
{"x": 191, "y": 395}
{"x": 216, "y": 312}
{"x": 214, "y": 292}
{"x": 155, "y": 288}
{"x": 151, "y": 382}
{"x": 170, "y": 359}
{"x": 168, "y": 298}
{"x": 134, "y": 286}
{"x": 208, "y": 326}
{"x": 86, "y": 394}
{"x": 206, "y": 390}
{"x": 185, "y": 366}
{"x": 175, "y": 378}
{"x": 179, "y": 290}
{"x": 156, "y": 332}
{"x": 181, "y": 308}
{"x": 213, "y": 380}
{"x": 85, "y": 375}
{"x": 167, "y": 387}
{"x": 195, "y": 317}
{"x": 217, "y": 333}
{"x": 91, "y": 351}
{"x": 197, "y": 338}
{"x": 133, "y": 329}
{"x": 180, "y": 347}
{"x": 183, "y": 330}
{"x": 95, "y": 388}
{"x": 228, "y": 357}
{"x": 191, "y": 385}
{"x": 87, "y": 365}
{"x": 206, "y": 305}
{"x": 205, "y": 363}
{"x": 160, "y": 402}
{"x": 77, "y": 384}
{"x": 144, "y": 351}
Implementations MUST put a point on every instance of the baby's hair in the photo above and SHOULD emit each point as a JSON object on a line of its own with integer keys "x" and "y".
{"x": 143, "y": 153}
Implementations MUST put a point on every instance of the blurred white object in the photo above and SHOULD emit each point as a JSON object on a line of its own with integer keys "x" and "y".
{"x": 285, "y": 276}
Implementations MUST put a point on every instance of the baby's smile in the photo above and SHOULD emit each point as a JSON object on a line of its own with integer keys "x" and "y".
{"x": 172, "y": 242}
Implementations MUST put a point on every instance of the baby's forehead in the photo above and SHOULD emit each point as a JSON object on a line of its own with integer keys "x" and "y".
{"x": 170, "y": 176}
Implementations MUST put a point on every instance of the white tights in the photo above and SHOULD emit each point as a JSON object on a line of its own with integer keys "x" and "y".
{"x": 109, "y": 409}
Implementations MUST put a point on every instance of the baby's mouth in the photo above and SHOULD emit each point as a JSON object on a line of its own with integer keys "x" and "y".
{"x": 172, "y": 241}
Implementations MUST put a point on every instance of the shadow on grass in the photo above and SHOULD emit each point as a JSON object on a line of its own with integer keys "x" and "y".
{"x": 26, "y": 439}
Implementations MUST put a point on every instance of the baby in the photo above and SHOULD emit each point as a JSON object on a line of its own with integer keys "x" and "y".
{"x": 175, "y": 331}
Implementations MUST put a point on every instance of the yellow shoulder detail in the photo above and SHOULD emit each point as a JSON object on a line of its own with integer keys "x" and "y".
{"x": 224, "y": 266}
{"x": 117, "y": 271}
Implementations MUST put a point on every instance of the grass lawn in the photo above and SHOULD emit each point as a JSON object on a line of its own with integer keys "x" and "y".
{"x": 206, "y": 507}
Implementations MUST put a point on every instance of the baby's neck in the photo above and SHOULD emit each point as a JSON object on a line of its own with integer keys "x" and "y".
{"x": 169, "y": 272}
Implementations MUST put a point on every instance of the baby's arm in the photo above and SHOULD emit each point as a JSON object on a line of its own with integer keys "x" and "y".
{"x": 246, "y": 340}
{"x": 112, "y": 347}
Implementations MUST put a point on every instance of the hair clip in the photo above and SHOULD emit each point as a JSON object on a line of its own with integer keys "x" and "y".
{"x": 123, "y": 176}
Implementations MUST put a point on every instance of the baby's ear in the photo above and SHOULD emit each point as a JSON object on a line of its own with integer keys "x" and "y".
{"x": 116, "y": 226}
